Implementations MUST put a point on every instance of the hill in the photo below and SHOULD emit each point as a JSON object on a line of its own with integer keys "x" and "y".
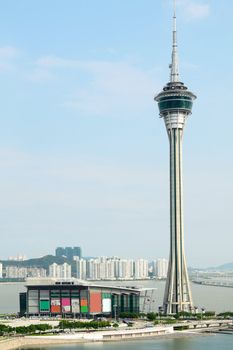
{"x": 43, "y": 262}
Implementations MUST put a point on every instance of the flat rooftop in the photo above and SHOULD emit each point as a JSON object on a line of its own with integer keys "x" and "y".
{"x": 33, "y": 282}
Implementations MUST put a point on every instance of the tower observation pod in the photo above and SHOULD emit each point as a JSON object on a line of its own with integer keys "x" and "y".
{"x": 175, "y": 105}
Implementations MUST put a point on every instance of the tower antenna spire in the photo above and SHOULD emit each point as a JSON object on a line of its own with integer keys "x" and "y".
{"x": 174, "y": 74}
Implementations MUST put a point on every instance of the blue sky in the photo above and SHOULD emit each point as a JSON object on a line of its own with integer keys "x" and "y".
{"x": 83, "y": 152}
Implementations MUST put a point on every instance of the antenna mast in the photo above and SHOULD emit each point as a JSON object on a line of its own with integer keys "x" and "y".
{"x": 174, "y": 75}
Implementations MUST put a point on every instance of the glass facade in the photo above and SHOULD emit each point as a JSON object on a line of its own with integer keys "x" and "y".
{"x": 134, "y": 303}
{"x": 175, "y": 102}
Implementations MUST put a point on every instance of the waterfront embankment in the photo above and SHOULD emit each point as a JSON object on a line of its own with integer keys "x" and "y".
{"x": 84, "y": 337}
{"x": 16, "y": 343}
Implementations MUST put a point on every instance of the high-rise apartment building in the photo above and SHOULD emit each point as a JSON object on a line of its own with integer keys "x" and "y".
{"x": 141, "y": 269}
{"x": 60, "y": 252}
{"x": 81, "y": 269}
{"x": 104, "y": 268}
{"x": 161, "y": 268}
{"x": 60, "y": 271}
{"x": 68, "y": 252}
{"x": 125, "y": 269}
{"x": 77, "y": 251}
{"x": 24, "y": 272}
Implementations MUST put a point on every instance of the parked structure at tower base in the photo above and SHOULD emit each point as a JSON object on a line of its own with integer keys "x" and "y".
{"x": 75, "y": 298}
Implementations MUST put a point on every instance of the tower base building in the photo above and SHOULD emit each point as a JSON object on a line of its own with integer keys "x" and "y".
{"x": 75, "y": 298}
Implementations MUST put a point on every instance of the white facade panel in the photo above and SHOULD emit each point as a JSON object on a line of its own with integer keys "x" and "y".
{"x": 107, "y": 305}
{"x": 33, "y": 310}
{"x": 32, "y": 302}
{"x": 33, "y": 294}
{"x": 75, "y": 305}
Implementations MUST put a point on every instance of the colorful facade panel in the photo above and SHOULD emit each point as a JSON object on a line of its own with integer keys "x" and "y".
{"x": 84, "y": 309}
{"x": 75, "y": 305}
{"x": 66, "y": 306}
{"x": 95, "y": 302}
{"x": 55, "y": 306}
{"x": 44, "y": 306}
{"x": 106, "y": 305}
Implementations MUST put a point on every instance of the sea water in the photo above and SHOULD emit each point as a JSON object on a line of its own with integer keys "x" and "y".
{"x": 196, "y": 342}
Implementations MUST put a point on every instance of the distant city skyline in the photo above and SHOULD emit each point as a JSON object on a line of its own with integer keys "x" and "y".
{"x": 152, "y": 260}
{"x": 83, "y": 155}
{"x": 92, "y": 269}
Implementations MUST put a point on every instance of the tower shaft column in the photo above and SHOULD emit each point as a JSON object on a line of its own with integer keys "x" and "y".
{"x": 177, "y": 295}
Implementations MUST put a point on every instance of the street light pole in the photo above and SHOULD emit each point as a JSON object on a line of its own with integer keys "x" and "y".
{"x": 115, "y": 313}
{"x": 202, "y": 312}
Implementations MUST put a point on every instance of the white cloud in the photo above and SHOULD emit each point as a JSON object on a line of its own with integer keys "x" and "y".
{"x": 194, "y": 10}
{"x": 40, "y": 75}
{"x": 55, "y": 62}
{"x": 115, "y": 88}
{"x": 109, "y": 88}
{"x": 9, "y": 52}
{"x": 7, "y": 56}
{"x": 197, "y": 11}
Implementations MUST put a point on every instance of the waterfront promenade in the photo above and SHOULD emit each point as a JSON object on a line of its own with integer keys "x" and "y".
{"x": 186, "y": 329}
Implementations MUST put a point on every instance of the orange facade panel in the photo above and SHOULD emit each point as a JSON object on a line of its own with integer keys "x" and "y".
{"x": 83, "y": 302}
{"x": 95, "y": 302}
{"x": 55, "y": 309}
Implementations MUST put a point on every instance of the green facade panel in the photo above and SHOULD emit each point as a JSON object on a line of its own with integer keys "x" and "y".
{"x": 84, "y": 309}
{"x": 125, "y": 303}
{"x": 116, "y": 304}
{"x": 134, "y": 303}
{"x": 44, "y": 305}
{"x": 55, "y": 293}
{"x": 106, "y": 295}
{"x": 74, "y": 294}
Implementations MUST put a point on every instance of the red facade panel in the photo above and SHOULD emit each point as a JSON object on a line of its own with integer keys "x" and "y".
{"x": 95, "y": 302}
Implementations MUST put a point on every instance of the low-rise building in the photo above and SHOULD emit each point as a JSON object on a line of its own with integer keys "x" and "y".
{"x": 70, "y": 297}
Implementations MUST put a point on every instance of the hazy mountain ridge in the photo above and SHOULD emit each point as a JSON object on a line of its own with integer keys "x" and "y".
{"x": 223, "y": 267}
{"x": 43, "y": 262}
{"x": 227, "y": 266}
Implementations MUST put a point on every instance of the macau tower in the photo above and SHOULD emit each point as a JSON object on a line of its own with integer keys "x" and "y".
{"x": 175, "y": 105}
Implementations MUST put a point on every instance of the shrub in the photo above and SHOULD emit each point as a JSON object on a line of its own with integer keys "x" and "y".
{"x": 151, "y": 316}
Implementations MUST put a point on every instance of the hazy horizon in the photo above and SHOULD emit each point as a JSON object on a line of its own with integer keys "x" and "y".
{"x": 151, "y": 259}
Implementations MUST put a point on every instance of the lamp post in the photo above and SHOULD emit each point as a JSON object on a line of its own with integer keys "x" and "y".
{"x": 202, "y": 312}
{"x": 115, "y": 313}
{"x": 196, "y": 309}
{"x": 161, "y": 310}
